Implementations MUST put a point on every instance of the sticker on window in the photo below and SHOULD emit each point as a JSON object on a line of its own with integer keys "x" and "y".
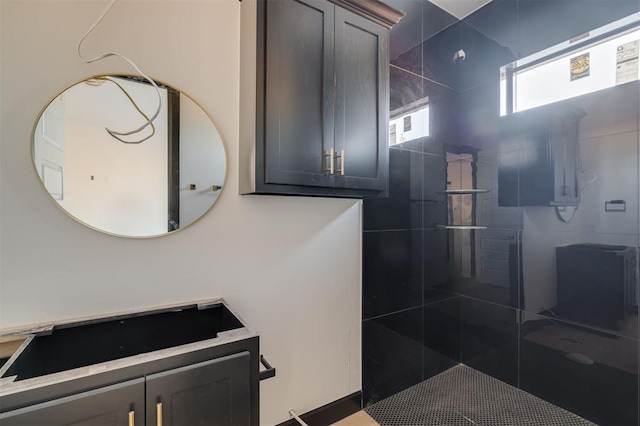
{"x": 627, "y": 62}
{"x": 407, "y": 123}
{"x": 580, "y": 67}
{"x": 392, "y": 136}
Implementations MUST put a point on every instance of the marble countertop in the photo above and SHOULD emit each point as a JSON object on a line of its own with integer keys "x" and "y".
{"x": 8, "y": 385}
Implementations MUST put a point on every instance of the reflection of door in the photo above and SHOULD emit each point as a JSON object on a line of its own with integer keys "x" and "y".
{"x": 460, "y": 211}
{"x": 493, "y": 245}
{"x": 173, "y": 159}
{"x": 48, "y": 151}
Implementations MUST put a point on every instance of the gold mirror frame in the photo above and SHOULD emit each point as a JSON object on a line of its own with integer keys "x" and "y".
{"x": 196, "y": 141}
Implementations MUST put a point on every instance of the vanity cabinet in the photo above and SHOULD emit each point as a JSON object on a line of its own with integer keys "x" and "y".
{"x": 540, "y": 157}
{"x": 314, "y": 97}
{"x": 189, "y": 365}
{"x": 215, "y": 392}
{"x": 116, "y": 405}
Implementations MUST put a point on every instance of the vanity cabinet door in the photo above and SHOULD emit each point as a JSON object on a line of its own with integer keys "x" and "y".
{"x": 117, "y": 405}
{"x": 209, "y": 393}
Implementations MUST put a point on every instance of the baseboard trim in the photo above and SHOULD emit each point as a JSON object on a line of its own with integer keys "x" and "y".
{"x": 331, "y": 412}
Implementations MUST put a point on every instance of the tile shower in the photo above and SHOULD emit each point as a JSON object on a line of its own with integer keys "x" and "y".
{"x": 457, "y": 266}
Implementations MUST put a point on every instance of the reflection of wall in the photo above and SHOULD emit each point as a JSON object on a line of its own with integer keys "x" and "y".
{"x": 201, "y": 161}
{"x": 608, "y": 153}
{"x": 113, "y": 186}
{"x": 268, "y": 256}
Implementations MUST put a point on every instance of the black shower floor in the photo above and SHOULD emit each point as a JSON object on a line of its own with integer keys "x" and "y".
{"x": 462, "y": 396}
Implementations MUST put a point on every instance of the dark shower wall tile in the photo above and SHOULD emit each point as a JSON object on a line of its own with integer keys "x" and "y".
{"x": 436, "y": 263}
{"x": 498, "y": 22}
{"x": 544, "y": 23}
{"x": 443, "y": 118}
{"x": 610, "y": 111}
{"x": 594, "y": 285}
{"x": 529, "y": 26}
{"x": 442, "y": 328}
{"x": 423, "y": 20}
{"x": 392, "y": 271}
{"x": 482, "y": 264}
{"x": 410, "y": 60}
{"x": 498, "y": 267}
{"x": 536, "y": 156}
{"x": 408, "y": 95}
{"x": 434, "y": 20}
{"x": 434, "y": 199}
{"x": 399, "y": 210}
{"x": 490, "y": 339}
{"x": 483, "y": 59}
{"x": 488, "y": 211}
{"x": 482, "y": 172}
{"x": 408, "y": 32}
{"x": 392, "y": 354}
{"x": 422, "y": 113}
{"x": 479, "y": 116}
{"x": 437, "y": 57}
{"x": 586, "y": 371}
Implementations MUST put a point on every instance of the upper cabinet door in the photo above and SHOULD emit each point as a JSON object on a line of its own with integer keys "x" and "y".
{"x": 299, "y": 91}
{"x": 362, "y": 119}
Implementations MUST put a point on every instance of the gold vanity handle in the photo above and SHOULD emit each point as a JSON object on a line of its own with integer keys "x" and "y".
{"x": 341, "y": 157}
{"x": 330, "y": 155}
{"x": 159, "y": 414}
{"x": 132, "y": 418}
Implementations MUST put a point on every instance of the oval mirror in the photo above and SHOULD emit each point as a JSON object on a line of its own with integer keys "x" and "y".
{"x": 566, "y": 213}
{"x": 145, "y": 189}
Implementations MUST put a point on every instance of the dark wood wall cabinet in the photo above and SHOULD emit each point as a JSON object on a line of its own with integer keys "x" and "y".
{"x": 539, "y": 157}
{"x": 314, "y": 97}
{"x": 179, "y": 366}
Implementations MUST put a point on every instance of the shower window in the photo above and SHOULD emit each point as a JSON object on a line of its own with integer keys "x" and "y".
{"x": 409, "y": 122}
{"x": 602, "y": 58}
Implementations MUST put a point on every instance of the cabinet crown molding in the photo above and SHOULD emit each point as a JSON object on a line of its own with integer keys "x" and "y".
{"x": 374, "y": 10}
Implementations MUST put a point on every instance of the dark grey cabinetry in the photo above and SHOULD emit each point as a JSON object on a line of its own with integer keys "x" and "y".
{"x": 540, "y": 158}
{"x": 116, "y": 405}
{"x": 299, "y": 92}
{"x": 208, "y": 393}
{"x": 195, "y": 364}
{"x": 320, "y": 106}
{"x": 215, "y": 392}
{"x": 362, "y": 103}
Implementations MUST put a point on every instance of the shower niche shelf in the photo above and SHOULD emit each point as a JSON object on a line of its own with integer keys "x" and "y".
{"x": 465, "y": 191}
{"x": 462, "y": 227}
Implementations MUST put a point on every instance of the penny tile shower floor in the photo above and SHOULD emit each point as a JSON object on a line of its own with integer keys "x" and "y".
{"x": 462, "y": 396}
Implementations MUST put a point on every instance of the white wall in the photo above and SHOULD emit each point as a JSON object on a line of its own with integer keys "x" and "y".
{"x": 115, "y": 187}
{"x": 202, "y": 161}
{"x": 290, "y": 266}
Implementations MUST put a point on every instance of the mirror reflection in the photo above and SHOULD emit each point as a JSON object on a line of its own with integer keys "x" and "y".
{"x": 148, "y": 189}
